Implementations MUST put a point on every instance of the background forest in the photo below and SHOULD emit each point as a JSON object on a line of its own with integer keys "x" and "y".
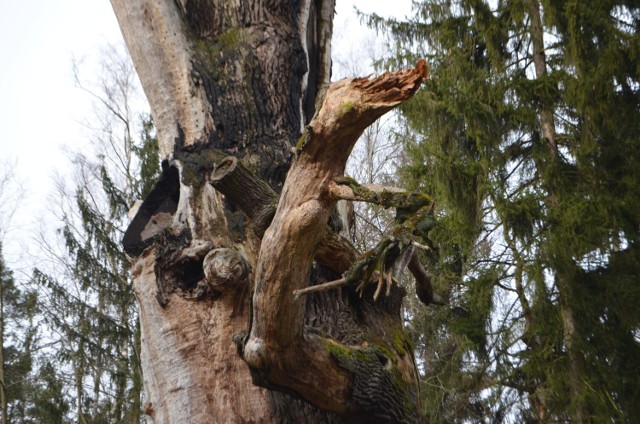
{"x": 527, "y": 136}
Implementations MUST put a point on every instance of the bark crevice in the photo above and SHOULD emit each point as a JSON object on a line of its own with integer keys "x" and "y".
{"x": 231, "y": 87}
{"x": 278, "y": 350}
{"x": 155, "y": 214}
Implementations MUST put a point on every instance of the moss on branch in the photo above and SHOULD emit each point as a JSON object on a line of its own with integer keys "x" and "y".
{"x": 414, "y": 219}
{"x": 385, "y": 196}
{"x": 371, "y": 368}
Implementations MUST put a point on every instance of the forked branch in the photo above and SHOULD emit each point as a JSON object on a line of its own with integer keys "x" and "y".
{"x": 278, "y": 350}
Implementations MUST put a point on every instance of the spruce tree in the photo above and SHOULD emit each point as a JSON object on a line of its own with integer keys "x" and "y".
{"x": 91, "y": 303}
{"x": 49, "y": 404}
{"x": 18, "y": 336}
{"x": 528, "y": 138}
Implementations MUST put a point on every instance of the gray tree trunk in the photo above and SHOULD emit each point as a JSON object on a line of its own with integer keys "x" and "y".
{"x": 238, "y": 221}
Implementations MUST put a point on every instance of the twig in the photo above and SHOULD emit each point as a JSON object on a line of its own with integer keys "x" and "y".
{"x": 321, "y": 287}
{"x": 421, "y": 246}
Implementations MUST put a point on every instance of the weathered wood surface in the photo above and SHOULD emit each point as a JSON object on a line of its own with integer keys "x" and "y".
{"x": 243, "y": 222}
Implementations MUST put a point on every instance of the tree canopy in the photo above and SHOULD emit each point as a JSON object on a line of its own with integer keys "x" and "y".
{"x": 527, "y": 138}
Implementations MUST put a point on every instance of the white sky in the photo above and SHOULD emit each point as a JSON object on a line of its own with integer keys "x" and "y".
{"x": 41, "y": 110}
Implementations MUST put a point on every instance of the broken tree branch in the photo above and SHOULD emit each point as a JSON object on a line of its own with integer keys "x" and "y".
{"x": 321, "y": 287}
{"x": 349, "y": 189}
{"x": 258, "y": 201}
{"x": 424, "y": 289}
{"x": 277, "y": 350}
{"x": 252, "y": 195}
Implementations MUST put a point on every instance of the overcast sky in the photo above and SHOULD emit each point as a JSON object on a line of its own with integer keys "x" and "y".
{"x": 40, "y": 108}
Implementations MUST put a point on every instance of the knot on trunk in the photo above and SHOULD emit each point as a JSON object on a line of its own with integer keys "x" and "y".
{"x": 225, "y": 267}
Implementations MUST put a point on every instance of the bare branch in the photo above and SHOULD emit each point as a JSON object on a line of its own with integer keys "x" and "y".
{"x": 321, "y": 287}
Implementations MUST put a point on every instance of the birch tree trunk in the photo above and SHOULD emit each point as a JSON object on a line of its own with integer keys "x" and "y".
{"x": 253, "y": 139}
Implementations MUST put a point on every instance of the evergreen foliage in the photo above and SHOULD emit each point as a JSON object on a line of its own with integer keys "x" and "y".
{"x": 18, "y": 331}
{"x": 49, "y": 402}
{"x": 533, "y": 157}
{"x": 90, "y": 303}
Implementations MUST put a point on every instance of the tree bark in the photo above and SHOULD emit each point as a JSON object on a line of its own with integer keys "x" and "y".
{"x": 239, "y": 218}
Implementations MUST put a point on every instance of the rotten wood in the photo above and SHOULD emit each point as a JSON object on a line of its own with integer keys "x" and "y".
{"x": 278, "y": 350}
{"x": 233, "y": 77}
{"x": 229, "y": 80}
{"x": 258, "y": 201}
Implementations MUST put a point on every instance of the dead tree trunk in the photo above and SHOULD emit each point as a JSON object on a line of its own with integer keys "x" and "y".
{"x": 253, "y": 140}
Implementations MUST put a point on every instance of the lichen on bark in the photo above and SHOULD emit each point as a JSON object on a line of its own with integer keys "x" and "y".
{"x": 232, "y": 91}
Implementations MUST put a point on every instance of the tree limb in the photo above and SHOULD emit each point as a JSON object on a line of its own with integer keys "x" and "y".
{"x": 424, "y": 289}
{"x": 278, "y": 350}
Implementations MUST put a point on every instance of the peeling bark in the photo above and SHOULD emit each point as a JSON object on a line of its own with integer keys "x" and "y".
{"x": 224, "y": 238}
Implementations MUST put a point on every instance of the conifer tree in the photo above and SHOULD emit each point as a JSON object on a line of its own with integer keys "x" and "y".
{"x": 17, "y": 340}
{"x": 91, "y": 303}
{"x": 48, "y": 403}
{"x": 528, "y": 138}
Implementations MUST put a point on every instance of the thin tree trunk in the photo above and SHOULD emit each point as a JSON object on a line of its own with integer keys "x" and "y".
{"x": 562, "y": 281}
{"x": 80, "y": 368}
{"x": 3, "y": 383}
{"x": 540, "y": 64}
